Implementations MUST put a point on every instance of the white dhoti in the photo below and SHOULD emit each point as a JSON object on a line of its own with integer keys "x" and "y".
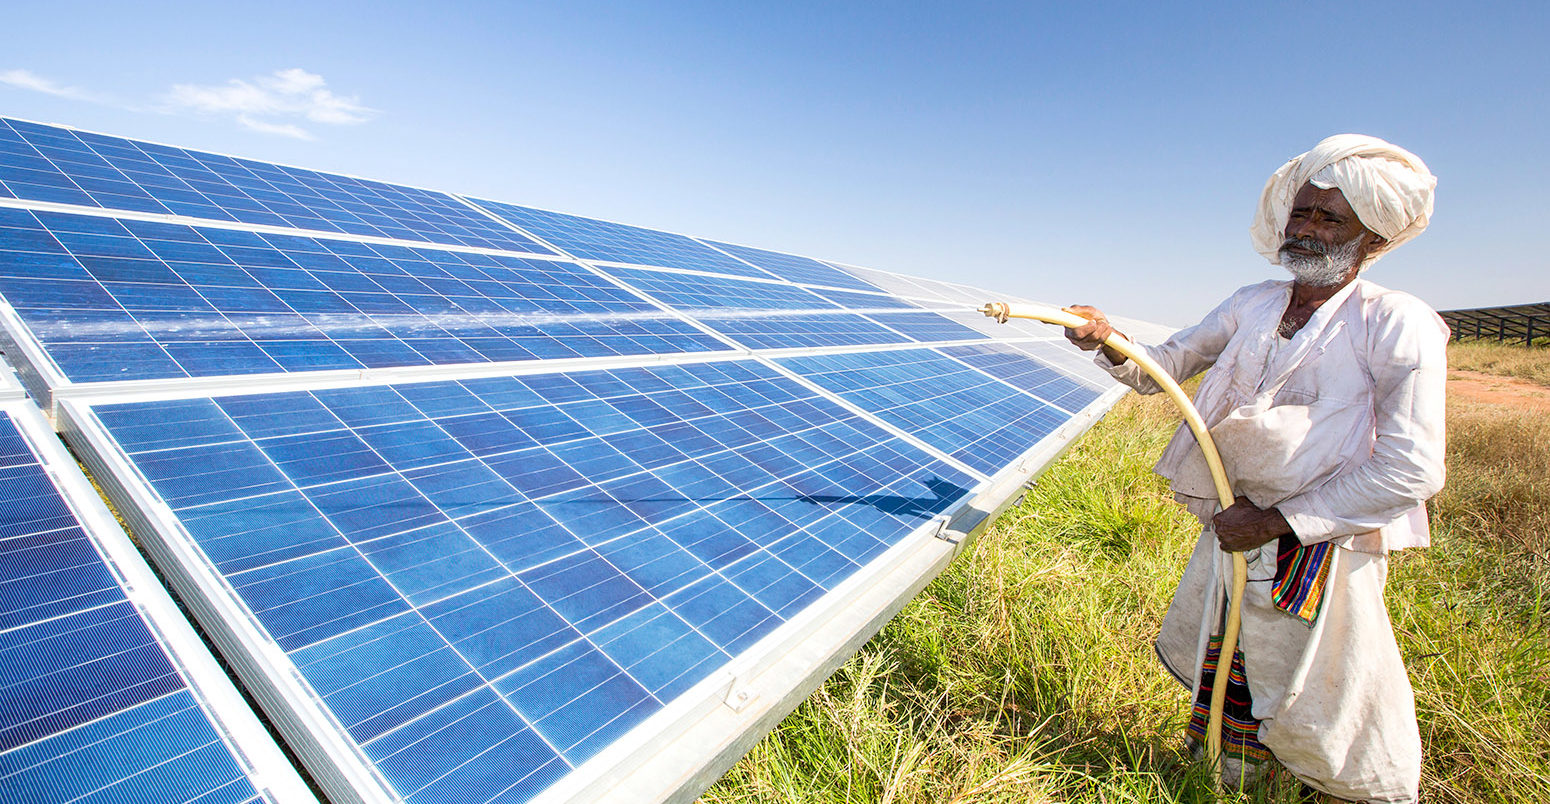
{"x": 1334, "y": 700}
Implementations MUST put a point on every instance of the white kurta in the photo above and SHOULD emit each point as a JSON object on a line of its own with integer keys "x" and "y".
{"x": 1341, "y": 429}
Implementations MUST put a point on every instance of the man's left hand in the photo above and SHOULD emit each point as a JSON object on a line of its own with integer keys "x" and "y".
{"x": 1246, "y": 526}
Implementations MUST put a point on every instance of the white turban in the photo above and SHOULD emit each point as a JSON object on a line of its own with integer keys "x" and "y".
{"x": 1388, "y": 187}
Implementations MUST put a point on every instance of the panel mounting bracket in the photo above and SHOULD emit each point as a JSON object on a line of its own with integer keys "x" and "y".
{"x": 945, "y": 533}
{"x": 739, "y": 697}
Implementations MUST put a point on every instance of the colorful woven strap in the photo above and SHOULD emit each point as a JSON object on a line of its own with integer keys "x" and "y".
{"x": 1302, "y": 574}
{"x": 1240, "y": 731}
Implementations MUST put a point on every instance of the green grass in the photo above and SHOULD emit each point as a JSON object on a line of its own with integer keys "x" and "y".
{"x": 1026, "y": 672}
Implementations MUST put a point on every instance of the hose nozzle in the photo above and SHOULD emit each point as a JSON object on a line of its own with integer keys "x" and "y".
{"x": 1000, "y": 311}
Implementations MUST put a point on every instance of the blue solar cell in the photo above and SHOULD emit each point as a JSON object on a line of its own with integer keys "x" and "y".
{"x": 694, "y": 292}
{"x": 927, "y": 327}
{"x": 44, "y": 163}
{"x": 725, "y": 305}
{"x": 572, "y": 572}
{"x": 589, "y": 239}
{"x": 968, "y": 414}
{"x": 475, "y": 747}
{"x": 802, "y": 331}
{"x": 1028, "y": 373}
{"x": 866, "y": 301}
{"x": 754, "y": 313}
{"x": 255, "y": 304}
{"x": 93, "y": 702}
{"x": 796, "y": 269}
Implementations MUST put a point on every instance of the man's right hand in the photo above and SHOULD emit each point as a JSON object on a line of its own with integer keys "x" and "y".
{"x": 1091, "y": 335}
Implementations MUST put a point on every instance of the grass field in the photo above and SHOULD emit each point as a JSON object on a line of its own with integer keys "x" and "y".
{"x": 1026, "y": 672}
{"x": 1509, "y": 361}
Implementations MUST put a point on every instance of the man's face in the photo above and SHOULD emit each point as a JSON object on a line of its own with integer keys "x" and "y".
{"x": 1325, "y": 242}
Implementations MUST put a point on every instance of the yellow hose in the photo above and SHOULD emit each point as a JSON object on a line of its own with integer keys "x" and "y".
{"x": 1001, "y": 311}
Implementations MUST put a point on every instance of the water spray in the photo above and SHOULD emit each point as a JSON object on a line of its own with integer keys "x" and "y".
{"x": 1001, "y": 311}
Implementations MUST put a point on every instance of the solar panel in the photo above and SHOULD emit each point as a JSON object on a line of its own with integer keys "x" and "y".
{"x": 926, "y": 326}
{"x": 60, "y": 165}
{"x": 907, "y": 286}
{"x": 589, "y": 239}
{"x": 816, "y": 317}
{"x": 557, "y": 558}
{"x": 969, "y": 414}
{"x": 699, "y": 292}
{"x": 1016, "y": 368}
{"x": 132, "y": 300}
{"x": 543, "y": 509}
{"x": 108, "y": 694}
{"x": 802, "y": 270}
{"x": 865, "y": 301}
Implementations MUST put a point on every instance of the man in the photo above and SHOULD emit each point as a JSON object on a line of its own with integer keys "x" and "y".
{"x": 1324, "y": 395}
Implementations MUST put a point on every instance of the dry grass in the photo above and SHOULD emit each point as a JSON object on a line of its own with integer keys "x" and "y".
{"x": 1522, "y": 362}
{"x": 1499, "y": 475}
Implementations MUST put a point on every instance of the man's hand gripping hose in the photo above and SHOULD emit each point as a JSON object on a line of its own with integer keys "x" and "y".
{"x": 1001, "y": 311}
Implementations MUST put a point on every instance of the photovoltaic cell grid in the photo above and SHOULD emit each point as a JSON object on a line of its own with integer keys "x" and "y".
{"x": 865, "y": 301}
{"x": 93, "y": 707}
{"x": 928, "y": 291}
{"x": 981, "y": 421}
{"x": 1061, "y": 357}
{"x": 748, "y": 312}
{"x": 795, "y": 269}
{"x": 1016, "y": 368}
{"x": 488, "y": 581}
{"x": 123, "y": 299}
{"x": 711, "y": 293}
{"x": 589, "y": 239}
{"x": 926, "y": 326}
{"x": 742, "y": 310}
{"x": 48, "y": 163}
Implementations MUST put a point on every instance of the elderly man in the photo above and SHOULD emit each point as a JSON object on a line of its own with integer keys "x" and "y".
{"x": 1324, "y": 395}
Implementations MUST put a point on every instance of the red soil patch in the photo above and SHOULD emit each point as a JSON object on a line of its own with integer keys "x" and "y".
{"x": 1473, "y": 386}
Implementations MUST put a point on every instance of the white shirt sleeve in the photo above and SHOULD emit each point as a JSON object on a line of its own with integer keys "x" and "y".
{"x": 1407, "y": 356}
{"x": 1187, "y": 353}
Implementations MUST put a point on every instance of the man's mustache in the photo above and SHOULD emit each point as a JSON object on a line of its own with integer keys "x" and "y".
{"x": 1307, "y": 244}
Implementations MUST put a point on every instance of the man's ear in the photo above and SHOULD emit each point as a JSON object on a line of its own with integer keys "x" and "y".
{"x": 1374, "y": 243}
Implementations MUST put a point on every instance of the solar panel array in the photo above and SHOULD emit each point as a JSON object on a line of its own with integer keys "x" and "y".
{"x": 483, "y": 502}
{"x": 107, "y": 694}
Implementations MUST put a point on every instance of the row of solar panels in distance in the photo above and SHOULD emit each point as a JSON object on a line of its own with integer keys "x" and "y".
{"x": 124, "y": 299}
{"x": 93, "y": 707}
{"x": 488, "y": 581}
{"x": 59, "y": 165}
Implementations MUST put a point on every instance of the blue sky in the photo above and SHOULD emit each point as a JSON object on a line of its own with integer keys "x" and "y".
{"x": 1108, "y": 154}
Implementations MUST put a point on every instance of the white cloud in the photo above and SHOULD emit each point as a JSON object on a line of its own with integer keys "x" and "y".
{"x": 273, "y": 104}
{"x": 283, "y": 129}
{"x": 279, "y": 103}
{"x": 26, "y": 79}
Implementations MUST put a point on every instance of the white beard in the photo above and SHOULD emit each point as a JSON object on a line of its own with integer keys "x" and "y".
{"x": 1321, "y": 270}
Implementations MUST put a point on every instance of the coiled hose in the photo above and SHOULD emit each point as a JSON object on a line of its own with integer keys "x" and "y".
{"x": 1001, "y": 311}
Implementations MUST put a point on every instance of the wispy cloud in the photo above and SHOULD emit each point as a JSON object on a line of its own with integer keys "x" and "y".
{"x": 26, "y": 79}
{"x": 286, "y": 103}
{"x": 274, "y": 104}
